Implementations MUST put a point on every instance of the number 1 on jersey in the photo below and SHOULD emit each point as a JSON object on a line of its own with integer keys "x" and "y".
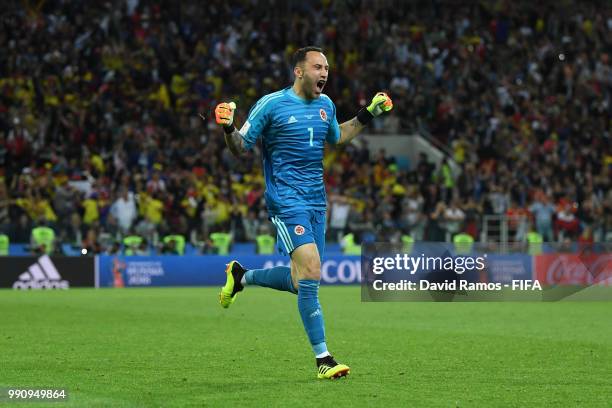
{"x": 311, "y": 130}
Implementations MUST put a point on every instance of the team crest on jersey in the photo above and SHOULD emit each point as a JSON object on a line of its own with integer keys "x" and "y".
{"x": 323, "y": 115}
{"x": 299, "y": 230}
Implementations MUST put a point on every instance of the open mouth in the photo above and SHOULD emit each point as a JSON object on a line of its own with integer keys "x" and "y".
{"x": 320, "y": 85}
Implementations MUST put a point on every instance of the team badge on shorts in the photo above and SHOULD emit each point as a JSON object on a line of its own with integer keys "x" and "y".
{"x": 323, "y": 115}
{"x": 299, "y": 230}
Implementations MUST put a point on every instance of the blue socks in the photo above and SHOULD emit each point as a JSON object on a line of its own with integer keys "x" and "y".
{"x": 312, "y": 317}
{"x": 278, "y": 278}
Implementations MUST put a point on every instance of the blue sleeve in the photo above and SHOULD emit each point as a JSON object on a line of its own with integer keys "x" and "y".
{"x": 333, "y": 134}
{"x": 256, "y": 123}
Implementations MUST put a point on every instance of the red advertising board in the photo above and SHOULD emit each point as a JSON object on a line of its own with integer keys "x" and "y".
{"x": 574, "y": 269}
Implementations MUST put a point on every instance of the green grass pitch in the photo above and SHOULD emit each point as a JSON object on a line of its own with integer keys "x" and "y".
{"x": 177, "y": 347}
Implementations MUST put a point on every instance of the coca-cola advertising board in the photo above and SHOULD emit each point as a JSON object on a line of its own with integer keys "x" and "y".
{"x": 574, "y": 269}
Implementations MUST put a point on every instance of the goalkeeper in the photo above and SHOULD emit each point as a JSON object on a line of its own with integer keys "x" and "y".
{"x": 294, "y": 124}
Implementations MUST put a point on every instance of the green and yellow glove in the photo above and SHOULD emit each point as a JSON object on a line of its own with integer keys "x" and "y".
{"x": 380, "y": 103}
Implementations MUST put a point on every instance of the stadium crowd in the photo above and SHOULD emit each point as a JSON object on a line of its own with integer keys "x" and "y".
{"x": 100, "y": 133}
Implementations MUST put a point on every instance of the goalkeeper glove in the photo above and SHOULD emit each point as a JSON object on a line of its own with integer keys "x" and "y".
{"x": 224, "y": 115}
{"x": 380, "y": 103}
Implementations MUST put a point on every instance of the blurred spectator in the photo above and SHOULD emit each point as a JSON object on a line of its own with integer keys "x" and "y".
{"x": 543, "y": 212}
{"x": 453, "y": 217}
{"x": 518, "y": 218}
{"x": 74, "y": 233}
{"x": 91, "y": 209}
{"x": 362, "y": 225}
{"x": 64, "y": 201}
{"x": 497, "y": 199}
{"x": 91, "y": 243}
{"x": 566, "y": 222}
{"x": 143, "y": 248}
{"x": 412, "y": 209}
{"x": 42, "y": 240}
{"x": 436, "y": 231}
{"x": 251, "y": 225}
{"x": 169, "y": 248}
{"x": 446, "y": 178}
{"x": 124, "y": 210}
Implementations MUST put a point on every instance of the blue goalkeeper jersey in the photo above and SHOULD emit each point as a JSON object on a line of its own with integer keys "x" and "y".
{"x": 293, "y": 132}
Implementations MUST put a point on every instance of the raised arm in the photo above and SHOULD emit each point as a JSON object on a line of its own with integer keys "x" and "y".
{"x": 234, "y": 141}
{"x": 224, "y": 116}
{"x": 351, "y": 128}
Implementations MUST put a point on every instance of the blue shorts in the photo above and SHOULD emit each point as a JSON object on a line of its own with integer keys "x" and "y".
{"x": 299, "y": 228}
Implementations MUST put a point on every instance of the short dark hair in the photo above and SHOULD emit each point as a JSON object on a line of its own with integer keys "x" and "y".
{"x": 300, "y": 55}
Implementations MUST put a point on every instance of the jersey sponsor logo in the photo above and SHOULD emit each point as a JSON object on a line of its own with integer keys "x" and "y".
{"x": 245, "y": 128}
{"x": 308, "y": 116}
{"x": 323, "y": 115}
{"x": 299, "y": 230}
{"x": 292, "y": 119}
